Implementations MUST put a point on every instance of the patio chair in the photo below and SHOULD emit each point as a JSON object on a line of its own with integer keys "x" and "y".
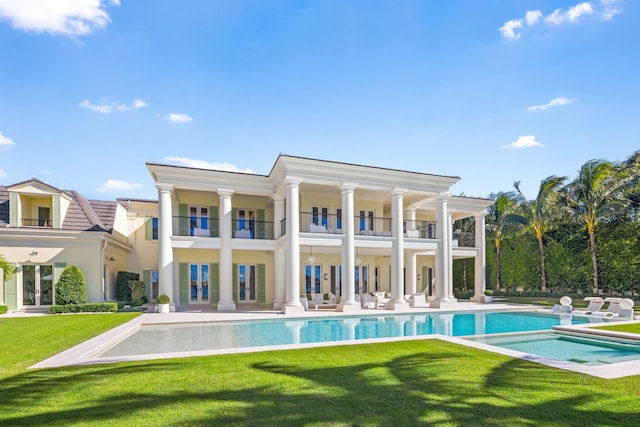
{"x": 595, "y": 304}
{"x": 626, "y": 308}
{"x": 564, "y": 307}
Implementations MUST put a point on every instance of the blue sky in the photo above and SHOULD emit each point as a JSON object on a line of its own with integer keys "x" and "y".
{"x": 491, "y": 91}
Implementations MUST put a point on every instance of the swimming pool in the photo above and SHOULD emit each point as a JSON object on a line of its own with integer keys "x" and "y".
{"x": 196, "y": 337}
{"x": 573, "y": 348}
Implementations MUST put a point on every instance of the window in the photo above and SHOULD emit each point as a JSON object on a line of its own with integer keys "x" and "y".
{"x": 313, "y": 275}
{"x": 44, "y": 217}
{"x": 154, "y": 285}
{"x": 199, "y": 219}
{"x": 339, "y": 219}
{"x": 154, "y": 228}
{"x": 247, "y": 221}
{"x": 246, "y": 283}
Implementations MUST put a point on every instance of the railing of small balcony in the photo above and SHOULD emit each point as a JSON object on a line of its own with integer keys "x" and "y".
{"x": 196, "y": 226}
{"x": 420, "y": 229}
{"x": 252, "y": 229}
{"x": 372, "y": 226}
{"x": 312, "y": 222}
{"x": 29, "y": 222}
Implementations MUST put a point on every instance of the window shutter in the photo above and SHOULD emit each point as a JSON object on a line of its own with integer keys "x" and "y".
{"x": 425, "y": 278}
{"x": 213, "y": 222}
{"x": 235, "y": 283}
{"x": 148, "y": 225}
{"x": 183, "y": 220}
{"x": 183, "y": 274}
{"x": 146, "y": 278}
{"x": 261, "y": 284}
{"x": 260, "y": 226}
{"x": 214, "y": 283}
{"x": 14, "y": 210}
{"x": 11, "y": 291}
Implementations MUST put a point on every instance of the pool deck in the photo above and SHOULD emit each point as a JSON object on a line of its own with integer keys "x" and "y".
{"x": 83, "y": 354}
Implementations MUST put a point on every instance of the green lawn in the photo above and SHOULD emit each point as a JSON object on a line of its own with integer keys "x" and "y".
{"x": 426, "y": 382}
{"x": 632, "y": 327}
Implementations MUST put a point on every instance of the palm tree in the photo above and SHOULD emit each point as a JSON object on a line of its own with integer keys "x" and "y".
{"x": 463, "y": 230}
{"x": 540, "y": 211}
{"x": 596, "y": 193}
{"x": 7, "y": 268}
{"x": 499, "y": 220}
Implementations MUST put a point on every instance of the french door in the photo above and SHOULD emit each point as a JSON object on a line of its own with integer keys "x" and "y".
{"x": 198, "y": 283}
{"x": 37, "y": 285}
{"x": 247, "y": 283}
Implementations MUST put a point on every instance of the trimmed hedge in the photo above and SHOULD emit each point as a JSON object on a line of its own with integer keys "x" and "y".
{"x": 92, "y": 307}
{"x": 71, "y": 287}
{"x": 123, "y": 292}
{"x": 3, "y": 309}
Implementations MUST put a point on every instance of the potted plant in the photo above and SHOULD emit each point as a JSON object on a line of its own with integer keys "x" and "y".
{"x": 488, "y": 296}
{"x": 163, "y": 303}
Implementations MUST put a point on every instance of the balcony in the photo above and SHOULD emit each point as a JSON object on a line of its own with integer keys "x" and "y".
{"x": 364, "y": 226}
{"x": 196, "y": 226}
{"x": 43, "y": 223}
{"x": 252, "y": 229}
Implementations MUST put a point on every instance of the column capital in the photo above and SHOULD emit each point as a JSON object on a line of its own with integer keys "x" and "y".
{"x": 292, "y": 181}
{"x": 224, "y": 192}
{"x": 398, "y": 192}
{"x": 444, "y": 196}
{"x": 164, "y": 188}
{"x": 348, "y": 186}
{"x": 479, "y": 214}
{"x": 277, "y": 197}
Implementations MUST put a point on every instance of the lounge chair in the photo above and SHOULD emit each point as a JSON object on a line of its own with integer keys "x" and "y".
{"x": 564, "y": 307}
{"x": 418, "y": 300}
{"x": 626, "y": 308}
{"x": 595, "y": 304}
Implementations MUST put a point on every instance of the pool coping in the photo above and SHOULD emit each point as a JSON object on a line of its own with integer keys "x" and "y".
{"x": 81, "y": 354}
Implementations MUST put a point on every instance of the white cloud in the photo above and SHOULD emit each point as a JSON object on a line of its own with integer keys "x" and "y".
{"x": 203, "y": 164}
{"x": 523, "y": 142}
{"x": 106, "y": 106}
{"x": 555, "y": 102}
{"x": 5, "y": 141}
{"x": 45, "y": 172}
{"x": 178, "y": 118}
{"x": 606, "y": 10}
{"x": 532, "y": 17}
{"x": 67, "y": 17}
{"x": 3, "y": 173}
{"x": 114, "y": 185}
{"x": 509, "y": 27}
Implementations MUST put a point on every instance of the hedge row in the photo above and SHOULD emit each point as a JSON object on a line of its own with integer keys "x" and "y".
{"x": 92, "y": 307}
{"x": 3, "y": 309}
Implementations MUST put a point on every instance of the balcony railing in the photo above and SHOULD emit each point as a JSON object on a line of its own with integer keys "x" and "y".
{"x": 196, "y": 226}
{"x": 420, "y": 229}
{"x": 372, "y": 226}
{"x": 320, "y": 223}
{"x": 367, "y": 226}
{"x": 252, "y": 229}
{"x": 28, "y": 222}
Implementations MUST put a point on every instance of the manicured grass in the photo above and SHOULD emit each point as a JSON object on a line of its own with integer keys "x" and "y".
{"x": 426, "y": 382}
{"x": 633, "y": 328}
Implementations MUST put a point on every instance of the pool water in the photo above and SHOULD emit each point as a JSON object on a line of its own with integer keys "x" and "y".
{"x": 175, "y": 338}
{"x": 567, "y": 347}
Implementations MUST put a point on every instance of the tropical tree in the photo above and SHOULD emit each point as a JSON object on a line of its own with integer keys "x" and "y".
{"x": 596, "y": 193}
{"x": 463, "y": 230}
{"x": 499, "y": 220}
{"x": 7, "y": 269}
{"x": 539, "y": 212}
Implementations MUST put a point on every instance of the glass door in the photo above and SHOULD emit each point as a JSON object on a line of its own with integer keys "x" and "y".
{"x": 198, "y": 283}
{"x": 37, "y": 285}
{"x": 246, "y": 283}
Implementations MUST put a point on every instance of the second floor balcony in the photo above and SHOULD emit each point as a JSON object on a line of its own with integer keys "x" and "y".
{"x": 40, "y": 222}
{"x": 311, "y": 222}
{"x": 210, "y": 227}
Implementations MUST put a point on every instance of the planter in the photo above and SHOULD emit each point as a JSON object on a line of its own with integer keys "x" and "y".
{"x": 487, "y": 299}
{"x": 163, "y": 308}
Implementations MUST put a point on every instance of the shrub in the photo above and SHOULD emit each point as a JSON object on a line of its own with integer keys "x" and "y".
{"x": 71, "y": 287}
{"x": 488, "y": 292}
{"x": 123, "y": 292}
{"x": 3, "y": 309}
{"x": 162, "y": 299}
{"x": 92, "y": 307}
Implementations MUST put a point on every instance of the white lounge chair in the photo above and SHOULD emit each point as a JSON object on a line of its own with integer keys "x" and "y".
{"x": 626, "y": 308}
{"x": 564, "y": 307}
{"x": 595, "y": 304}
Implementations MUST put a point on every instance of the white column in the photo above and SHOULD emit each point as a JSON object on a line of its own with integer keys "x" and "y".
{"x": 292, "y": 273}
{"x": 411, "y": 272}
{"x": 279, "y": 254}
{"x": 279, "y": 278}
{"x": 226, "y": 302}
{"x": 397, "y": 253}
{"x": 442, "y": 268}
{"x": 411, "y": 219}
{"x": 278, "y": 215}
{"x": 165, "y": 252}
{"x": 450, "y": 258}
{"x": 480, "y": 283}
{"x": 348, "y": 297}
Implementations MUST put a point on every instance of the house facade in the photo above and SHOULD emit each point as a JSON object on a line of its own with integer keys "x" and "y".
{"x": 44, "y": 229}
{"x": 229, "y": 239}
